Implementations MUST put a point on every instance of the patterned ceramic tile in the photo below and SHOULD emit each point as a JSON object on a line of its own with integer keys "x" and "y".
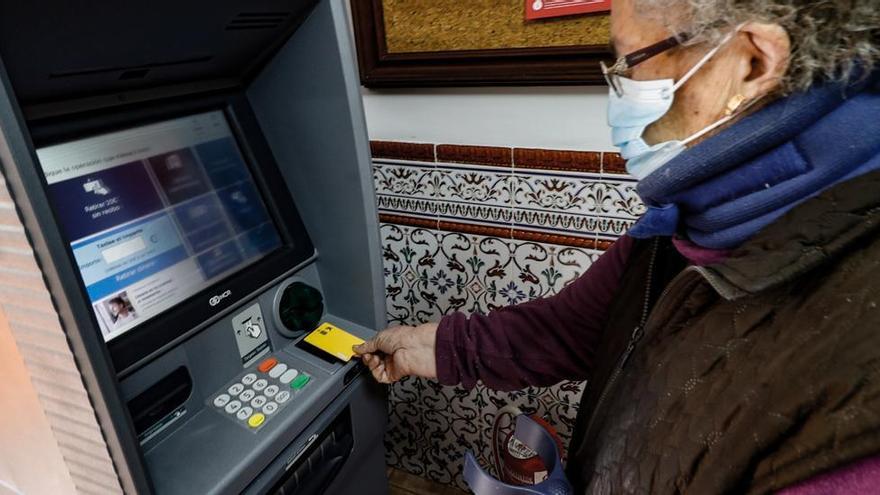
{"x": 406, "y": 187}
{"x": 555, "y": 191}
{"x": 408, "y": 255}
{"x": 405, "y": 440}
{"x": 452, "y": 427}
{"x": 546, "y": 268}
{"x": 559, "y": 407}
{"x": 622, "y": 197}
{"x": 576, "y": 203}
{"x": 475, "y": 193}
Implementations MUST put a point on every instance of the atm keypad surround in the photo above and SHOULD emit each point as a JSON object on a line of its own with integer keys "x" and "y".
{"x": 260, "y": 392}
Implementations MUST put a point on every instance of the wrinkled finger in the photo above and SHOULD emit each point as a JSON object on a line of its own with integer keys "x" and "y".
{"x": 373, "y": 361}
{"x": 378, "y": 371}
{"x": 369, "y": 360}
{"x": 384, "y": 377}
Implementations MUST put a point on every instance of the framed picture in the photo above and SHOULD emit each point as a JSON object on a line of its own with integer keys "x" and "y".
{"x": 476, "y": 43}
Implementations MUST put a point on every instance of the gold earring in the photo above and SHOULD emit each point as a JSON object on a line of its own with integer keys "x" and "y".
{"x": 733, "y": 103}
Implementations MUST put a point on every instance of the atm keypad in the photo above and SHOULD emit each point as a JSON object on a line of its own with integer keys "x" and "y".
{"x": 259, "y": 393}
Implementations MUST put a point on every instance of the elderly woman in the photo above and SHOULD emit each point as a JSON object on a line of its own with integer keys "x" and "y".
{"x": 732, "y": 339}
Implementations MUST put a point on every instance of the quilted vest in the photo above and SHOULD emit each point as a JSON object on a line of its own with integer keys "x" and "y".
{"x": 745, "y": 377}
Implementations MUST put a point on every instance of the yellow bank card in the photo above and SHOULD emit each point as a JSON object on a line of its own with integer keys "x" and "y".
{"x": 334, "y": 340}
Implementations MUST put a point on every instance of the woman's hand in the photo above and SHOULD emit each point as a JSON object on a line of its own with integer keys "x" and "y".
{"x": 401, "y": 351}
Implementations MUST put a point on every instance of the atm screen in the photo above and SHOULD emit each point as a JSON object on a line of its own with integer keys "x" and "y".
{"x": 155, "y": 214}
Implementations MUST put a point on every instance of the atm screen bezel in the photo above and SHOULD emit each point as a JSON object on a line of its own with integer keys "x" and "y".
{"x": 139, "y": 345}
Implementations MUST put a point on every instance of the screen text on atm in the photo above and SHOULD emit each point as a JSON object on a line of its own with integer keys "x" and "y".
{"x": 156, "y": 213}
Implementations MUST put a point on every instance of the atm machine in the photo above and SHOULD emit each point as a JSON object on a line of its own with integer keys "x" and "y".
{"x": 194, "y": 181}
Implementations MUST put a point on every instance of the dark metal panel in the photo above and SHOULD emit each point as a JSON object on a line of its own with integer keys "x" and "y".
{"x": 316, "y": 128}
{"x": 71, "y": 49}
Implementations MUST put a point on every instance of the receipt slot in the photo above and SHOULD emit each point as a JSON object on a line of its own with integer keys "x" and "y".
{"x": 166, "y": 247}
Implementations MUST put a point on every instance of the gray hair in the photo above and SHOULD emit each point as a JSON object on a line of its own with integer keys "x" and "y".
{"x": 829, "y": 37}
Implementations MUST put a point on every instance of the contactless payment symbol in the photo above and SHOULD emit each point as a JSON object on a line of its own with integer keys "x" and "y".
{"x": 96, "y": 186}
{"x": 238, "y": 197}
{"x": 173, "y": 162}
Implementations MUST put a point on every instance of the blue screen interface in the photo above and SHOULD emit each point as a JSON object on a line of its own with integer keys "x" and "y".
{"x": 155, "y": 214}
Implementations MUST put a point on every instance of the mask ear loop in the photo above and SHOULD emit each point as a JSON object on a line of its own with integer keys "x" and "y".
{"x": 711, "y": 53}
{"x": 720, "y": 122}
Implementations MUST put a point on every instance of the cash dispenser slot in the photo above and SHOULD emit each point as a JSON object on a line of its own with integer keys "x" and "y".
{"x": 317, "y": 466}
{"x": 162, "y": 403}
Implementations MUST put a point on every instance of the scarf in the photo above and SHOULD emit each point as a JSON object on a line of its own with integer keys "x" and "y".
{"x": 725, "y": 189}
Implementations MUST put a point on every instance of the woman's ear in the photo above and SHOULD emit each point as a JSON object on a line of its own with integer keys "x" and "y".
{"x": 768, "y": 48}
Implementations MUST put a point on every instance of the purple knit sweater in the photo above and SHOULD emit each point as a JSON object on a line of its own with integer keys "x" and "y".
{"x": 545, "y": 341}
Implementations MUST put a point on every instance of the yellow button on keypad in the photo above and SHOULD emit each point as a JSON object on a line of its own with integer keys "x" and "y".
{"x": 256, "y": 420}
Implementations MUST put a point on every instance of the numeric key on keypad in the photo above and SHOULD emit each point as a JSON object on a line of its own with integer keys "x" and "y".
{"x": 244, "y": 413}
{"x": 233, "y": 407}
{"x": 235, "y": 389}
{"x": 270, "y": 391}
{"x": 221, "y": 400}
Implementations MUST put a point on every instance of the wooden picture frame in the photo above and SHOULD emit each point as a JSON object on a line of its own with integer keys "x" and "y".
{"x": 524, "y": 66}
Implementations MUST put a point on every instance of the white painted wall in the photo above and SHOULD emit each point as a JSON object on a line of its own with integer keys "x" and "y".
{"x": 569, "y": 118}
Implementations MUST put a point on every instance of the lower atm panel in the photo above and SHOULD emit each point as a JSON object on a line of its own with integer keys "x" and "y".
{"x": 316, "y": 468}
{"x": 330, "y": 457}
{"x": 220, "y": 415}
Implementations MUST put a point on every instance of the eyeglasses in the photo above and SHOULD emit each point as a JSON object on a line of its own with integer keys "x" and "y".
{"x": 624, "y": 64}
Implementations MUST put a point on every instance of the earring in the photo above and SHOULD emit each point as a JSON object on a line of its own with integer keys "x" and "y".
{"x": 733, "y": 103}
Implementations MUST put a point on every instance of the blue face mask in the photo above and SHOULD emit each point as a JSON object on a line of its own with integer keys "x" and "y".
{"x": 640, "y": 104}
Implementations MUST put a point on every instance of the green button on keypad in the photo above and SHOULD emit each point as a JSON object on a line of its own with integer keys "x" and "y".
{"x": 300, "y": 381}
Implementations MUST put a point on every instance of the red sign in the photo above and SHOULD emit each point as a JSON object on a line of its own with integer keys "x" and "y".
{"x": 542, "y": 9}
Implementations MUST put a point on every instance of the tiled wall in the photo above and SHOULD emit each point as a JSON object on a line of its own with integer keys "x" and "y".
{"x": 473, "y": 228}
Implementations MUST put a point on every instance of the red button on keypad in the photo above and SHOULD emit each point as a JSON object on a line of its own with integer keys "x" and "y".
{"x": 267, "y": 365}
